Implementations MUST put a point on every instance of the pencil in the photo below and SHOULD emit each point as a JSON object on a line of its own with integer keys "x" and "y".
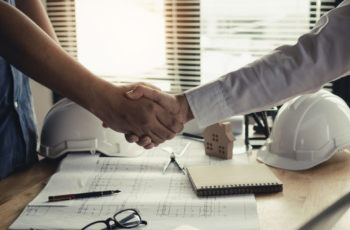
{"x": 82, "y": 195}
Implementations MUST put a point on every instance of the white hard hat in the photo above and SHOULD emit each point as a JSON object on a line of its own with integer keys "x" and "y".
{"x": 69, "y": 127}
{"x": 307, "y": 131}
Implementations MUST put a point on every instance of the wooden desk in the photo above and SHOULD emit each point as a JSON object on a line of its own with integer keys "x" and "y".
{"x": 305, "y": 193}
{"x": 19, "y": 189}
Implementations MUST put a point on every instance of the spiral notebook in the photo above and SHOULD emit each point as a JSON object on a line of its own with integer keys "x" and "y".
{"x": 233, "y": 179}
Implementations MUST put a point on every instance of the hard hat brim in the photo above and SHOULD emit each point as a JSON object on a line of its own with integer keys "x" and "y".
{"x": 265, "y": 156}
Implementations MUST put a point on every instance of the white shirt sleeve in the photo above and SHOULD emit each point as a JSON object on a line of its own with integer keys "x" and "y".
{"x": 320, "y": 56}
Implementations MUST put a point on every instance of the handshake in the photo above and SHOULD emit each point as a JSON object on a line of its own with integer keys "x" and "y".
{"x": 144, "y": 113}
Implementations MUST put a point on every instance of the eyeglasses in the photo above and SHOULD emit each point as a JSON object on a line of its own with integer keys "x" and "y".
{"x": 126, "y": 218}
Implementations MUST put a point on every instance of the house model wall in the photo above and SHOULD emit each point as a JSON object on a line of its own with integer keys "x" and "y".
{"x": 218, "y": 140}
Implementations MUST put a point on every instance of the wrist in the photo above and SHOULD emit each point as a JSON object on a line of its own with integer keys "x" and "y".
{"x": 185, "y": 108}
{"x": 98, "y": 98}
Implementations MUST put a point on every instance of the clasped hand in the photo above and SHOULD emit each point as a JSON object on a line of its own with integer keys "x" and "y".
{"x": 146, "y": 115}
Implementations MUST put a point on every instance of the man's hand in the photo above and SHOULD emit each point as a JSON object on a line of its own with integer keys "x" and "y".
{"x": 144, "y": 117}
{"x": 176, "y": 105}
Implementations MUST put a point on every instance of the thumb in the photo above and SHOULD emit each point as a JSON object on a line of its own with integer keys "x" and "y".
{"x": 134, "y": 94}
{"x": 143, "y": 91}
{"x": 167, "y": 101}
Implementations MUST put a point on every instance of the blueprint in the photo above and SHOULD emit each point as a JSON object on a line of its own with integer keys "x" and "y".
{"x": 165, "y": 200}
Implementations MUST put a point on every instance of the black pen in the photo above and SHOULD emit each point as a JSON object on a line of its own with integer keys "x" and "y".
{"x": 192, "y": 136}
{"x": 82, "y": 195}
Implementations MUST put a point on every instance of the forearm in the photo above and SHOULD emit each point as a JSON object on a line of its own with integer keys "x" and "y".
{"x": 318, "y": 57}
{"x": 31, "y": 50}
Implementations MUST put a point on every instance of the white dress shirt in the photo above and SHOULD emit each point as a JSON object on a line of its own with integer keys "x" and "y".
{"x": 320, "y": 56}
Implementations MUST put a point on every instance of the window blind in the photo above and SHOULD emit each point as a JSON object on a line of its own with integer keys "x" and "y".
{"x": 203, "y": 38}
{"x": 62, "y": 16}
{"x": 318, "y": 8}
{"x": 234, "y": 34}
{"x": 183, "y": 51}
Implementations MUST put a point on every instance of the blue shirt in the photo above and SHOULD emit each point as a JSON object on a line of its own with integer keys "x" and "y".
{"x": 18, "y": 134}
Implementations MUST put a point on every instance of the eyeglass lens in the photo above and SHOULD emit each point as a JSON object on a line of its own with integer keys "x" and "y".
{"x": 128, "y": 218}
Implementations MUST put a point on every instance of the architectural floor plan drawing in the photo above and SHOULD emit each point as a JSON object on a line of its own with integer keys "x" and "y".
{"x": 165, "y": 200}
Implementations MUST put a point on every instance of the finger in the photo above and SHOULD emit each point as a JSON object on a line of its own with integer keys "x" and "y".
{"x": 156, "y": 139}
{"x": 169, "y": 121}
{"x": 142, "y": 90}
{"x": 160, "y": 133}
{"x": 131, "y": 138}
{"x": 157, "y": 129}
{"x": 134, "y": 129}
{"x": 150, "y": 93}
{"x": 154, "y": 129}
{"x": 149, "y": 146}
{"x": 144, "y": 141}
{"x": 167, "y": 101}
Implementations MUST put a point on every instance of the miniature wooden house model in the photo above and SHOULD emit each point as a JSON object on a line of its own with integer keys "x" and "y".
{"x": 218, "y": 140}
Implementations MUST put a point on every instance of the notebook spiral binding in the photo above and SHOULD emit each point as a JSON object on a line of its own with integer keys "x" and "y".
{"x": 240, "y": 189}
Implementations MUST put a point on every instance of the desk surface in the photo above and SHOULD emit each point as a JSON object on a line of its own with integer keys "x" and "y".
{"x": 304, "y": 193}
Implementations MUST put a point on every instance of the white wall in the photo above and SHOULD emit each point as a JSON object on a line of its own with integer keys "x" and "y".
{"x": 42, "y": 98}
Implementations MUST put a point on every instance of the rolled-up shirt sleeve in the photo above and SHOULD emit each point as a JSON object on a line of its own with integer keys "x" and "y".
{"x": 318, "y": 57}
